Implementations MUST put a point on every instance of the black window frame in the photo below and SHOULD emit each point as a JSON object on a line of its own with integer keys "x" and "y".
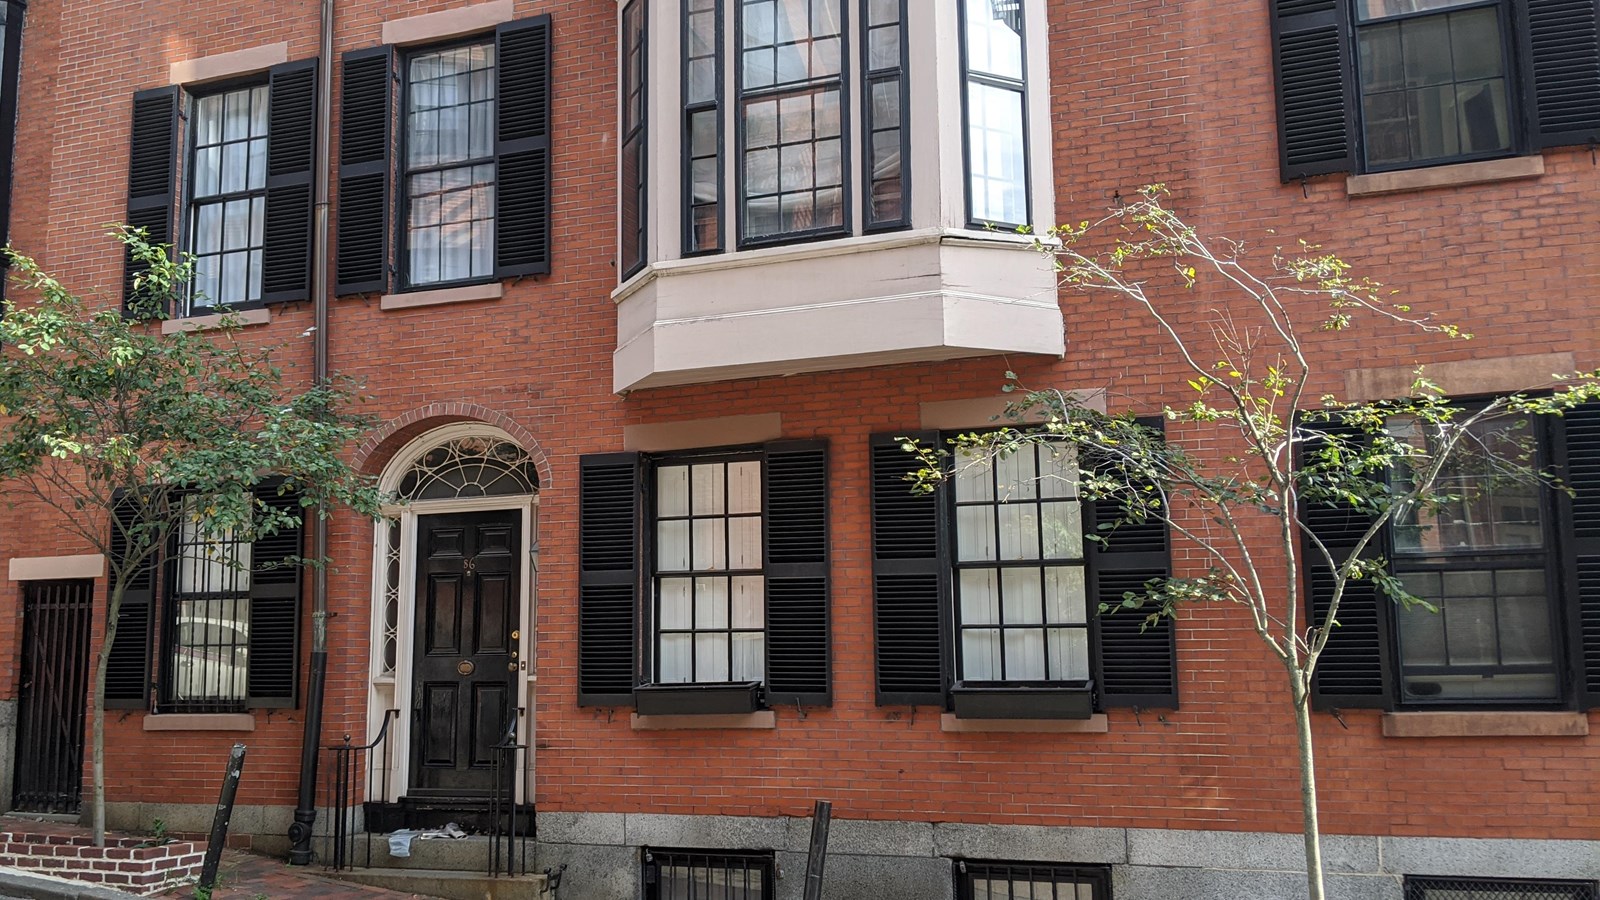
{"x": 967, "y": 77}
{"x": 1549, "y": 558}
{"x": 1421, "y": 887}
{"x": 900, "y": 76}
{"x": 718, "y": 108}
{"x": 652, "y": 859}
{"x": 967, "y": 872}
{"x": 188, "y": 219}
{"x": 640, "y": 132}
{"x": 402, "y": 172}
{"x": 741, "y": 95}
{"x": 10, "y": 69}
{"x": 1516, "y": 119}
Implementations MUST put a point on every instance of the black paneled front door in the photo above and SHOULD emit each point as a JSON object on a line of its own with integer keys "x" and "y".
{"x": 465, "y": 664}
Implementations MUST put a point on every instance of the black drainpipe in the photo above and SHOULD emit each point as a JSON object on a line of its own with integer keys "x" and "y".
{"x": 305, "y": 811}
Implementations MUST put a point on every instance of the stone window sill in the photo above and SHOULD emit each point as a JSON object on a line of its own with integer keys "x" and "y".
{"x": 245, "y": 317}
{"x": 1485, "y": 724}
{"x": 1095, "y": 724}
{"x": 200, "y": 722}
{"x": 757, "y": 721}
{"x": 1457, "y": 175}
{"x": 494, "y": 290}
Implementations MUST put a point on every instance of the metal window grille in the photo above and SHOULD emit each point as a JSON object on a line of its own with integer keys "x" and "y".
{"x": 1437, "y": 888}
{"x": 687, "y": 875}
{"x": 1030, "y": 881}
{"x": 208, "y": 623}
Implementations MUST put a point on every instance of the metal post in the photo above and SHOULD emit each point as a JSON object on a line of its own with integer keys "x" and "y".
{"x": 219, "y": 825}
{"x": 817, "y": 855}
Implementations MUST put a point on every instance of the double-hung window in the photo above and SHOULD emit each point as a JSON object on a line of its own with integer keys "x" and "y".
{"x": 1507, "y": 563}
{"x": 450, "y": 165}
{"x": 244, "y": 202}
{"x": 993, "y": 63}
{"x": 1377, "y": 85}
{"x": 228, "y": 197}
{"x": 704, "y": 579}
{"x": 987, "y": 593}
{"x": 453, "y": 188}
{"x": 219, "y": 613}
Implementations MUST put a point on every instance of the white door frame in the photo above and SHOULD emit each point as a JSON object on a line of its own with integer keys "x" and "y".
{"x": 393, "y": 690}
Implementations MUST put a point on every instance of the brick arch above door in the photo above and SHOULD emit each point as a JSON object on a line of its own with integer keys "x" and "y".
{"x": 378, "y": 450}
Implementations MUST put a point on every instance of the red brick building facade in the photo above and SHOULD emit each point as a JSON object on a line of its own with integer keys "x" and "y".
{"x": 634, "y": 287}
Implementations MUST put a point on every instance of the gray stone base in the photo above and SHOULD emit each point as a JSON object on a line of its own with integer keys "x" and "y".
{"x": 267, "y": 826}
{"x": 913, "y": 860}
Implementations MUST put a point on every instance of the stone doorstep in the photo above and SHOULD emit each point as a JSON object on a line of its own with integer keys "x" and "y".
{"x": 451, "y": 885}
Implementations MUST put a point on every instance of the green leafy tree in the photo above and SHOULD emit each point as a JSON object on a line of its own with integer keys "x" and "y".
{"x": 1258, "y": 443}
{"x": 110, "y": 423}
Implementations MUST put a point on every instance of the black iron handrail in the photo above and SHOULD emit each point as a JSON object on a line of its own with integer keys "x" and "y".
{"x": 505, "y": 791}
{"x": 347, "y": 759}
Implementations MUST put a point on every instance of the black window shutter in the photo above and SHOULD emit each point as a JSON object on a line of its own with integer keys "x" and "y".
{"x": 608, "y": 578}
{"x": 1354, "y": 670}
{"x": 275, "y": 605}
{"x": 291, "y": 147}
{"x": 522, "y": 148}
{"x": 1561, "y": 41}
{"x": 151, "y": 174}
{"x": 128, "y": 669}
{"x": 366, "y": 99}
{"x": 1137, "y": 662}
{"x": 1312, "y": 54}
{"x": 1583, "y": 477}
{"x": 909, "y": 577}
{"x": 797, "y": 573}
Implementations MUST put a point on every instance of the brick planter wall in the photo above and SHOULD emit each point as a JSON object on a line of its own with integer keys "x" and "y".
{"x": 126, "y": 863}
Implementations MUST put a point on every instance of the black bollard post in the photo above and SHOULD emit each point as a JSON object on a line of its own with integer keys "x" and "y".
{"x": 219, "y": 825}
{"x": 818, "y": 854}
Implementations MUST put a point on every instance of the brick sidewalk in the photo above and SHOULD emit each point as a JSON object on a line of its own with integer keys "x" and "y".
{"x": 246, "y": 876}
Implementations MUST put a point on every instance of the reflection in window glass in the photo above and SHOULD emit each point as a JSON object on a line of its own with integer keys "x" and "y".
{"x": 792, "y": 166}
{"x": 1434, "y": 87}
{"x": 710, "y": 592}
{"x": 208, "y": 663}
{"x": 885, "y": 113}
{"x": 633, "y": 138}
{"x": 450, "y": 168}
{"x": 228, "y": 197}
{"x": 702, "y": 80}
{"x": 997, "y": 157}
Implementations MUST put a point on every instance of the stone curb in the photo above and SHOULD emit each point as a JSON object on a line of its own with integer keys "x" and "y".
{"x": 16, "y": 884}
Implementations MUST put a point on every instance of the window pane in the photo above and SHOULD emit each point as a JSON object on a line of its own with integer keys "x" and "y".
{"x": 710, "y": 544}
{"x": 744, "y": 542}
{"x": 980, "y": 597}
{"x": 749, "y": 657}
{"x": 1024, "y": 649}
{"x": 995, "y": 154}
{"x": 994, "y": 37}
{"x": 711, "y": 657}
{"x": 1023, "y": 593}
{"x": 749, "y": 602}
{"x": 708, "y": 489}
{"x": 1373, "y": 9}
{"x": 677, "y": 658}
{"x": 980, "y": 654}
{"x": 974, "y": 479}
{"x": 1063, "y": 530}
{"x": 744, "y": 487}
{"x": 1064, "y": 594}
{"x": 676, "y": 610}
{"x": 975, "y": 533}
{"x": 1069, "y": 654}
{"x": 1018, "y": 476}
{"x": 672, "y": 546}
{"x": 711, "y": 603}
{"x": 210, "y": 652}
{"x": 1019, "y": 531}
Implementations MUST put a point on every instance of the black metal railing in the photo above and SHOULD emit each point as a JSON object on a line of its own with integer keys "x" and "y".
{"x": 366, "y": 766}
{"x": 506, "y": 823}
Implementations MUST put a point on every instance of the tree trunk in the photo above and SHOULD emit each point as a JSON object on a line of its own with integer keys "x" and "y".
{"x": 97, "y": 702}
{"x": 1308, "y": 785}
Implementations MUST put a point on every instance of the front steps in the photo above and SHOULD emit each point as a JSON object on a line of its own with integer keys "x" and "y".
{"x": 448, "y": 884}
{"x": 452, "y": 868}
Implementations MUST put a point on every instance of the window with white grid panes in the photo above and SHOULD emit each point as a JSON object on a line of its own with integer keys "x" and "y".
{"x": 710, "y": 592}
{"x": 993, "y": 66}
{"x": 1021, "y": 604}
{"x": 228, "y": 191}
{"x": 449, "y": 165}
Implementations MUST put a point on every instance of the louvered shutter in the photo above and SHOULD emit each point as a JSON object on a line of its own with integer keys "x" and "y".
{"x": 1561, "y": 41}
{"x": 796, "y": 514}
{"x": 291, "y": 147}
{"x": 366, "y": 99}
{"x": 128, "y": 669}
{"x": 1354, "y": 670}
{"x": 1137, "y": 662}
{"x": 909, "y": 578}
{"x": 151, "y": 159}
{"x": 275, "y": 605}
{"x": 1583, "y": 477}
{"x": 1312, "y": 55}
{"x": 608, "y": 577}
{"x": 522, "y": 148}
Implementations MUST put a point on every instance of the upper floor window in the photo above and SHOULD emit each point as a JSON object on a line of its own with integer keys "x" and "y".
{"x": 450, "y": 164}
{"x": 1375, "y": 85}
{"x": 1434, "y": 84}
{"x": 633, "y": 136}
{"x": 993, "y": 69}
{"x": 228, "y": 197}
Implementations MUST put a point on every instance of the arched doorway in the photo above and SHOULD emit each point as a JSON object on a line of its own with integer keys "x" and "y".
{"x": 453, "y": 589}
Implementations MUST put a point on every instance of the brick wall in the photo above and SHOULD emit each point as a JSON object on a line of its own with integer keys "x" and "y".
{"x": 1171, "y": 90}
